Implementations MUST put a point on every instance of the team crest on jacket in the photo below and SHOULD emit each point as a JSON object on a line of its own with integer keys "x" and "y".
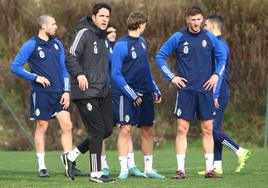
{"x": 127, "y": 118}
{"x": 89, "y": 106}
{"x": 56, "y": 46}
{"x": 133, "y": 53}
{"x": 95, "y": 48}
{"x": 204, "y": 43}
{"x": 179, "y": 112}
{"x": 37, "y": 112}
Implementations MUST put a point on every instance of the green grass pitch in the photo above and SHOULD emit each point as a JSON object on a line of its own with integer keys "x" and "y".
{"x": 19, "y": 169}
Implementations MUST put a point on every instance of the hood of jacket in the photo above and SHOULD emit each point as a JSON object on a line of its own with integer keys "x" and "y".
{"x": 86, "y": 22}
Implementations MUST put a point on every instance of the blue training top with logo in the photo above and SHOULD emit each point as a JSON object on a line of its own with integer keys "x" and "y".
{"x": 195, "y": 55}
{"x": 45, "y": 58}
{"x": 223, "y": 88}
{"x": 131, "y": 72}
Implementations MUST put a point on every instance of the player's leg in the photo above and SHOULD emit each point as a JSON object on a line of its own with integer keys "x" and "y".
{"x": 107, "y": 115}
{"x": 181, "y": 147}
{"x": 65, "y": 122}
{"x": 223, "y": 138}
{"x": 39, "y": 138}
{"x": 206, "y": 113}
{"x": 42, "y": 111}
{"x": 90, "y": 113}
{"x": 146, "y": 115}
{"x": 132, "y": 168}
{"x": 104, "y": 164}
{"x": 208, "y": 144}
{"x": 184, "y": 112}
{"x": 123, "y": 149}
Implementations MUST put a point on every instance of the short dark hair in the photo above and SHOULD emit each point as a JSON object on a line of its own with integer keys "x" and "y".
{"x": 193, "y": 10}
{"x": 43, "y": 19}
{"x": 217, "y": 19}
{"x": 112, "y": 24}
{"x": 135, "y": 19}
{"x": 98, "y": 6}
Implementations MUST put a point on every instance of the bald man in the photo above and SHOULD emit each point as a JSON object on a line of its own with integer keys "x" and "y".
{"x": 50, "y": 88}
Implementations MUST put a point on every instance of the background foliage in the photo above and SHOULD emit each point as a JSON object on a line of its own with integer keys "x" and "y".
{"x": 245, "y": 31}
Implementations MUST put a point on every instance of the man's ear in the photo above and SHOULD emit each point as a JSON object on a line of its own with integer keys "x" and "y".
{"x": 186, "y": 19}
{"x": 93, "y": 17}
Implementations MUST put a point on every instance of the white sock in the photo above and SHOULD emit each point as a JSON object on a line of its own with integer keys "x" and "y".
{"x": 72, "y": 155}
{"x": 130, "y": 160}
{"x": 96, "y": 174}
{"x": 41, "y": 161}
{"x": 148, "y": 163}
{"x": 180, "y": 162}
{"x": 104, "y": 162}
{"x": 240, "y": 151}
{"x": 209, "y": 161}
{"x": 217, "y": 164}
{"x": 123, "y": 164}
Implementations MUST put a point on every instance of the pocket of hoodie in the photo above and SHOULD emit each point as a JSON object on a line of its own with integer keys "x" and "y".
{"x": 97, "y": 78}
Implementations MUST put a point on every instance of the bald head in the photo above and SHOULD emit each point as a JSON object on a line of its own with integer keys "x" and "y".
{"x": 47, "y": 25}
{"x": 43, "y": 19}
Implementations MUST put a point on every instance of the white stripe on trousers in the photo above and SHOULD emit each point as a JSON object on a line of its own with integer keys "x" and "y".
{"x": 224, "y": 142}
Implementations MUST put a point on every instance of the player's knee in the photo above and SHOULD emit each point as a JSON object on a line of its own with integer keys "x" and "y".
{"x": 182, "y": 130}
{"x": 67, "y": 127}
{"x": 41, "y": 127}
{"x": 207, "y": 131}
{"x": 124, "y": 131}
{"x": 147, "y": 131}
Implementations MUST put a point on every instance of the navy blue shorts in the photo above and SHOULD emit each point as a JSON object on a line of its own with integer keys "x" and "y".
{"x": 190, "y": 103}
{"x": 45, "y": 106}
{"x": 125, "y": 113}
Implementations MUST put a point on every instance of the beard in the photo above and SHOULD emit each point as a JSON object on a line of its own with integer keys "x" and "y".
{"x": 195, "y": 29}
{"x": 50, "y": 34}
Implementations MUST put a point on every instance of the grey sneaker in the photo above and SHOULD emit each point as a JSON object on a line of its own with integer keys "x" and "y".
{"x": 43, "y": 173}
{"x": 102, "y": 179}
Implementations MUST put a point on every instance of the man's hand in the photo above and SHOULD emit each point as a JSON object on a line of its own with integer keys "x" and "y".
{"x": 157, "y": 99}
{"x": 82, "y": 81}
{"x": 216, "y": 103}
{"x": 179, "y": 81}
{"x": 65, "y": 100}
{"x": 211, "y": 83}
{"x": 137, "y": 102}
{"x": 42, "y": 80}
